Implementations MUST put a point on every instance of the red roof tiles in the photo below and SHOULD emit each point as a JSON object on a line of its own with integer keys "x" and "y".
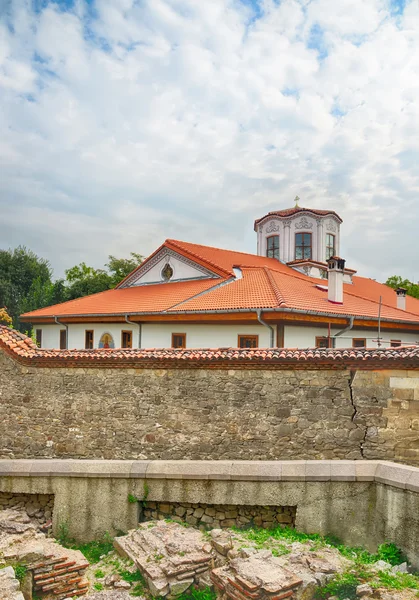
{"x": 22, "y": 349}
{"x": 290, "y": 212}
{"x": 266, "y": 283}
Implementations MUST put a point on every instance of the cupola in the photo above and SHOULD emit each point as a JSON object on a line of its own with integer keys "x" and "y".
{"x": 303, "y": 238}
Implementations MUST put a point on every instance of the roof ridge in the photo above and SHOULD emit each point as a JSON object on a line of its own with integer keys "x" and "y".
{"x": 220, "y": 249}
{"x": 208, "y": 262}
{"x": 277, "y": 293}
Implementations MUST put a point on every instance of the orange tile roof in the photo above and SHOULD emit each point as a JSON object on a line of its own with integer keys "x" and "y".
{"x": 136, "y": 299}
{"x": 23, "y": 349}
{"x": 289, "y": 212}
{"x": 265, "y": 283}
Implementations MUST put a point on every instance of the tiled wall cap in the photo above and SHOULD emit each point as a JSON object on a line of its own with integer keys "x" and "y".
{"x": 393, "y": 474}
{"x": 254, "y": 470}
{"x": 189, "y": 469}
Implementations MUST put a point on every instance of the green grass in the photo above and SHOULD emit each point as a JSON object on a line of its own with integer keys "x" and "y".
{"x": 99, "y": 574}
{"x": 98, "y": 586}
{"x": 138, "y": 590}
{"x": 91, "y": 550}
{"x": 397, "y": 581}
{"x": 20, "y": 572}
{"x": 343, "y": 586}
{"x": 131, "y": 576}
{"x": 194, "y": 594}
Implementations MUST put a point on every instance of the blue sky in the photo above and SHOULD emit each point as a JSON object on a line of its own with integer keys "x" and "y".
{"x": 125, "y": 122}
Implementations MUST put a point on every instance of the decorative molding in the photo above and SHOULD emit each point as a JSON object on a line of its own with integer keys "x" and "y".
{"x": 331, "y": 225}
{"x": 167, "y": 253}
{"x": 272, "y": 226}
{"x": 287, "y": 223}
{"x": 303, "y": 224}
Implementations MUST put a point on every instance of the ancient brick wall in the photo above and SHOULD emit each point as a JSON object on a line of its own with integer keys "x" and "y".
{"x": 253, "y": 412}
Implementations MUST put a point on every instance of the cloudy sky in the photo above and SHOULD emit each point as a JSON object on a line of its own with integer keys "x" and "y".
{"x": 125, "y": 122}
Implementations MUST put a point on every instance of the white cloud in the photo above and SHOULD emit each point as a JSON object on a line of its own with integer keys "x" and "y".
{"x": 133, "y": 122}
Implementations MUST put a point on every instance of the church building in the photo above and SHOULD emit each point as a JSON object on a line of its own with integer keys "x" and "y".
{"x": 296, "y": 292}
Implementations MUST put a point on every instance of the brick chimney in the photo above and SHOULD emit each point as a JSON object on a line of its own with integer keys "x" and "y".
{"x": 335, "y": 271}
{"x": 401, "y": 298}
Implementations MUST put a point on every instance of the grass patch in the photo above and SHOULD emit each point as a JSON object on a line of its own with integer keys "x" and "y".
{"x": 397, "y": 581}
{"x": 91, "y": 550}
{"x": 98, "y": 586}
{"x": 132, "y": 576}
{"x": 99, "y": 574}
{"x": 195, "y": 594}
{"x": 138, "y": 590}
{"x": 20, "y": 572}
{"x": 343, "y": 586}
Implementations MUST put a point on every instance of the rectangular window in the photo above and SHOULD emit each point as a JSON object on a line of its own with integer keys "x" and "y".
{"x": 178, "y": 340}
{"x": 63, "y": 339}
{"x": 88, "y": 339}
{"x": 302, "y": 246}
{"x": 322, "y": 341}
{"x": 272, "y": 246}
{"x": 359, "y": 343}
{"x": 330, "y": 245}
{"x": 395, "y": 343}
{"x": 38, "y": 336}
{"x": 126, "y": 339}
{"x": 248, "y": 341}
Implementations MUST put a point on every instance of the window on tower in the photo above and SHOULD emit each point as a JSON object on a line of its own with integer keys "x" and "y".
{"x": 272, "y": 246}
{"x": 302, "y": 246}
{"x": 330, "y": 246}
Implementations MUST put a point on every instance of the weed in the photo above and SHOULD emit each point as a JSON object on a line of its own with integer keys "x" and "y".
{"x": 398, "y": 581}
{"x": 20, "y": 572}
{"x": 194, "y": 594}
{"x": 391, "y": 554}
{"x": 132, "y": 499}
{"x": 98, "y": 586}
{"x": 343, "y": 586}
{"x": 94, "y": 550}
{"x": 280, "y": 550}
{"x": 64, "y": 534}
{"x": 132, "y": 576}
{"x": 99, "y": 574}
{"x": 137, "y": 590}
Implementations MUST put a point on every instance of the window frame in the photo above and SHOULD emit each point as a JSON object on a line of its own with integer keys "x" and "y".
{"x": 38, "y": 337}
{"x": 359, "y": 340}
{"x": 125, "y": 332}
{"x": 395, "y": 343}
{"x": 274, "y": 248}
{"x": 181, "y": 335}
{"x": 63, "y": 342}
{"x": 303, "y": 246}
{"x": 332, "y": 235}
{"x": 322, "y": 338}
{"x": 92, "y": 341}
{"x": 242, "y": 336}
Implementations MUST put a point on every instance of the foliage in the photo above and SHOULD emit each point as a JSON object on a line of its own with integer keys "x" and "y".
{"x": 20, "y": 572}
{"x": 5, "y": 318}
{"x": 26, "y": 281}
{"x": 131, "y": 576}
{"x": 342, "y": 586}
{"x": 397, "y": 581}
{"x": 132, "y": 499}
{"x": 411, "y": 288}
{"x": 91, "y": 550}
{"x": 98, "y": 586}
{"x": 99, "y": 574}
{"x": 194, "y": 594}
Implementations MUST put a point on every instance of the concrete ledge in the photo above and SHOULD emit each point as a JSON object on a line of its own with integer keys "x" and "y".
{"x": 388, "y": 473}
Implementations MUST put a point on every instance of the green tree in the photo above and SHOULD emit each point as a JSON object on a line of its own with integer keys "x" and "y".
{"x": 121, "y": 267}
{"x": 411, "y": 288}
{"x": 19, "y": 269}
{"x": 5, "y": 318}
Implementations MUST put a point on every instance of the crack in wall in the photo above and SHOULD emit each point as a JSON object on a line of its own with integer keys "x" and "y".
{"x": 355, "y": 413}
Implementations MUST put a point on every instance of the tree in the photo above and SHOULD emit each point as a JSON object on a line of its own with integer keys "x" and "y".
{"x": 5, "y": 319}
{"x": 411, "y": 288}
{"x": 121, "y": 267}
{"x": 19, "y": 269}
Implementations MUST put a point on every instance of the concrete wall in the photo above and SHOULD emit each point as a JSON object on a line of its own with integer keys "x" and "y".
{"x": 207, "y": 413}
{"x": 361, "y": 502}
{"x": 156, "y": 335}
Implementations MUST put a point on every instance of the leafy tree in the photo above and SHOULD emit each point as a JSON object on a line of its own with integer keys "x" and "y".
{"x": 121, "y": 267}
{"x": 19, "y": 269}
{"x": 411, "y": 288}
{"x": 82, "y": 280}
{"x": 5, "y": 319}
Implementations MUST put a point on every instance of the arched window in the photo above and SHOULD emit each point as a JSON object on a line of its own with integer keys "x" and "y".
{"x": 272, "y": 246}
{"x": 302, "y": 245}
{"x": 106, "y": 341}
{"x": 330, "y": 245}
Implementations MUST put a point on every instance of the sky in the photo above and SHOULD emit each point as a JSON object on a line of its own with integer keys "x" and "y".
{"x": 123, "y": 123}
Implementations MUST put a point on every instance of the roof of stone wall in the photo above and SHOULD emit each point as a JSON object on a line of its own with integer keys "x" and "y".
{"x": 24, "y": 350}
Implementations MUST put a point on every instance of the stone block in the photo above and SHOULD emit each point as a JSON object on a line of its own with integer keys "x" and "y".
{"x": 366, "y": 469}
{"x": 189, "y": 469}
{"x": 393, "y": 474}
{"x": 318, "y": 470}
{"x": 294, "y": 470}
{"x": 343, "y": 470}
{"x": 248, "y": 470}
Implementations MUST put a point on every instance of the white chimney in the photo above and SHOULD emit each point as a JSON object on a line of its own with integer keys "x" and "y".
{"x": 335, "y": 272}
{"x": 401, "y": 298}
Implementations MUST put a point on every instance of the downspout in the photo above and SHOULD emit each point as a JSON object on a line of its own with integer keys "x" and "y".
{"x": 139, "y": 329}
{"x": 351, "y": 324}
{"x": 66, "y": 331}
{"x": 272, "y": 331}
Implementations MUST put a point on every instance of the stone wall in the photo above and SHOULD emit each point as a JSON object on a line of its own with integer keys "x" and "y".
{"x": 213, "y": 516}
{"x": 257, "y": 412}
{"x": 38, "y": 507}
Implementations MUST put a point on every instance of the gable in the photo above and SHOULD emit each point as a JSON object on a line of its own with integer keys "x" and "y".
{"x": 183, "y": 269}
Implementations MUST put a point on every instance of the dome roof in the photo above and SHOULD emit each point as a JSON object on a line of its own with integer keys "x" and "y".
{"x": 290, "y": 212}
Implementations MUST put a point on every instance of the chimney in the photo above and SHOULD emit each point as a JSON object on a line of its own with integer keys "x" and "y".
{"x": 401, "y": 298}
{"x": 335, "y": 271}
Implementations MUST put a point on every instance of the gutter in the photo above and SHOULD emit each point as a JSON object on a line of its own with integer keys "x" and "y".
{"x": 66, "y": 331}
{"x": 272, "y": 331}
{"x": 235, "y": 310}
{"x": 351, "y": 324}
{"x": 139, "y": 329}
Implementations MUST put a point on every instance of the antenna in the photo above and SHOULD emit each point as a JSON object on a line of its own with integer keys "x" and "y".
{"x": 379, "y": 323}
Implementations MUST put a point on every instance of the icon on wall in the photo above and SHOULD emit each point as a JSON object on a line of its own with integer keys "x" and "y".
{"x": 106, "y": 341}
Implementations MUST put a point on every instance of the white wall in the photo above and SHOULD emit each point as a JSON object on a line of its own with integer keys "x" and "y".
{"x": 156, "y": 335}
{"x": 305, "y": 337}
{"x": 181, "y": 270}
